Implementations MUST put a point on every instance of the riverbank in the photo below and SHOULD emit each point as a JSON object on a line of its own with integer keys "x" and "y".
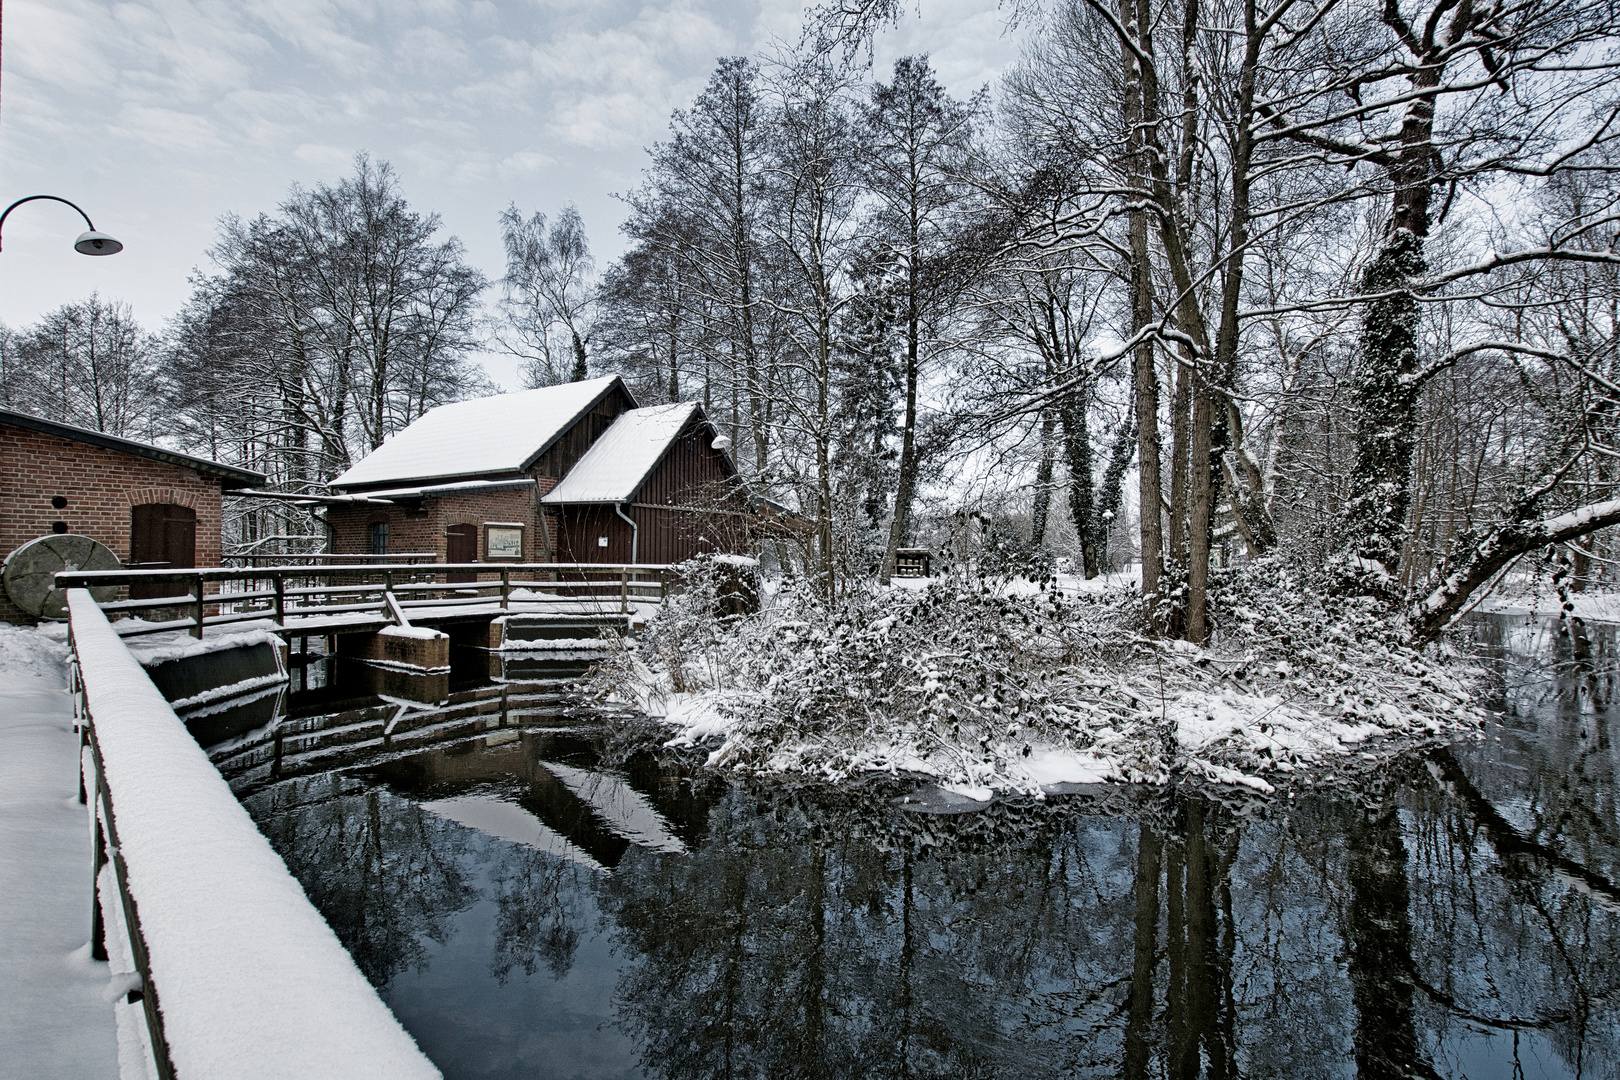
{"x": 55, "y": 1018}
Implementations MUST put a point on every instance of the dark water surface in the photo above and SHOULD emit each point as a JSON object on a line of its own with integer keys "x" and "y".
{"x": 530, "y": 910}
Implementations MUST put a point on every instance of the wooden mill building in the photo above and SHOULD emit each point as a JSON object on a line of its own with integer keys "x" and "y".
{"x": 568, "y": 473}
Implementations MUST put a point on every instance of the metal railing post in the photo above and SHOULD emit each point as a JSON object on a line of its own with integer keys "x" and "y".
{"x": 506, "y": 588}
{"x": 281, "y": 597}
{"x": 108, "y": 850}
{"x": 624, "y": 591}
{"x": 98, "y": 859}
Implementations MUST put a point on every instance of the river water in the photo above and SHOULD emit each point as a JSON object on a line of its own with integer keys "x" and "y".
{"x": 536, "y": 898}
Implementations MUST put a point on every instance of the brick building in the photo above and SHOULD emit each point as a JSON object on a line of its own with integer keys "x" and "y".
{"x": 568, "y": 473}
{"x": 149, "y": 505}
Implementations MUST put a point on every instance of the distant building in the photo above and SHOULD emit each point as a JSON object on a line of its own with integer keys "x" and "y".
{"x": 153, "y": 508}
{"x": 567, "y": 473}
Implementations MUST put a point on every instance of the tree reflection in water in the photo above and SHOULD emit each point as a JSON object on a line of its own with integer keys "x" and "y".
{"x": 1453, "y": 915}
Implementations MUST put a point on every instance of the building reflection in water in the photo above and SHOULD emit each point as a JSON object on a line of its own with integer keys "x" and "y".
{"x": 1453, "y": 914}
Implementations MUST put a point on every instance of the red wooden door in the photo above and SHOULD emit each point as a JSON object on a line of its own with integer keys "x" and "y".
{"x": 461, "y": 546}
{"x": 162, "y": 536}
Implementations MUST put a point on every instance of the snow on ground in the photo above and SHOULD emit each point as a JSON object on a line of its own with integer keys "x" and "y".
{"x": 55, "y": 1016}
{"x": 993, "y": 685}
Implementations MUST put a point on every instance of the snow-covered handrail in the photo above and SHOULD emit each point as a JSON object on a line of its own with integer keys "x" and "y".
{"x": 251, "y": 981}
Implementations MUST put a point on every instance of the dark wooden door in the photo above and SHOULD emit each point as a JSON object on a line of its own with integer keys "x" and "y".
{"x": 162, "y": 536}
{"x": 461, "y": 546}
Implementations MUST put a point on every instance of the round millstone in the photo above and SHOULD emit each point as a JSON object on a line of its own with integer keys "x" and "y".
{"x": 30, "y": 572}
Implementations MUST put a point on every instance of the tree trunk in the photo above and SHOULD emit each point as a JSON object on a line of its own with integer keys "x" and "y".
{"x": 1077, "y": 456}
{"x": 900, "y": 524}
{"x": 1043, "y": 479}
{"x": 1475, "y": 563}
{"x": 1200, "y": 512}
{"x": 579, "y": 374}
{"x": 1139, "y": 1008}
{"x": 1145, "y": 377}
{"x": 1379, "y": 939}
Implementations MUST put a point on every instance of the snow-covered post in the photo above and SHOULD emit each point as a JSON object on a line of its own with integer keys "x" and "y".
{"x": 197, "y": 606}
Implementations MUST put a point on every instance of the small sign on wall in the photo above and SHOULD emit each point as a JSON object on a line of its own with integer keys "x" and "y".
{"x": 503, "y": 540}
{"x": 601, "y": 541}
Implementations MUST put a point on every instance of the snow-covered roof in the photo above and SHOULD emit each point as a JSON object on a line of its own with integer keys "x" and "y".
{"x": 617, "y": 463}
{"x": 500, "y": 434}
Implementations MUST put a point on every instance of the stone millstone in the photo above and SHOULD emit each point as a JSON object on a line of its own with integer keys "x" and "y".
{"x": 30, "y": 572}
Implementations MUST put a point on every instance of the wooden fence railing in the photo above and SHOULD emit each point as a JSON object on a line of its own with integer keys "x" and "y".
{"x": 313, "y": 598}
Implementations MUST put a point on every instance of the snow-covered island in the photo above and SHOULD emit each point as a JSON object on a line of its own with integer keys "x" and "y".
{"x": 1003, "y": 684}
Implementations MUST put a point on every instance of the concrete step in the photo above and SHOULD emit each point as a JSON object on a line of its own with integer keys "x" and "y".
{"x": 559, "y": 631}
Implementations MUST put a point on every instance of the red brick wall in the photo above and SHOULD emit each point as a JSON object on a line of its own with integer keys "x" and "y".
{"x": 100, "y": 486}
{"x": 425, "y": 531}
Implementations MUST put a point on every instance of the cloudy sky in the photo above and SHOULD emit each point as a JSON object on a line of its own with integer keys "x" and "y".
{"x": 159, "y": 116}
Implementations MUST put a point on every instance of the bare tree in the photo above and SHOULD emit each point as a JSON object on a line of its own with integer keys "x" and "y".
{"x": 549, "y": 295}
{"x": 89, "y": 364}
{"x": 916, "y": 140}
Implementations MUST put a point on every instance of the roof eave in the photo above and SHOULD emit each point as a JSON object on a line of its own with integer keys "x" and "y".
{"x": 495, "y": 475}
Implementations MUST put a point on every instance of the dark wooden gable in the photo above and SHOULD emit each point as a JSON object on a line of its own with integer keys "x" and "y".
{"x": 692, "y": 473}
{"x": 564, "y": 452}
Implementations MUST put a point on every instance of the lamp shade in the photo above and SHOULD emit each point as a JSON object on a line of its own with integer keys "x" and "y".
{"x": 96, "y": 243}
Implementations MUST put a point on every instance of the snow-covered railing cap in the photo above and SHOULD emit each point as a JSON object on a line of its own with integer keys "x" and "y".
{"x": 251, "y": 980}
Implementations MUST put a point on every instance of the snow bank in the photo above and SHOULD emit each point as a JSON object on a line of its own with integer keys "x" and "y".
{"x": 252, "y": 981}
{"x": 31, "y": 653}
{"x": 155, "y": 649}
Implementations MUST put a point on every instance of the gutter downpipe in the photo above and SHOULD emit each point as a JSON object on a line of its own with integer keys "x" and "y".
{"x": 635, "y": 531}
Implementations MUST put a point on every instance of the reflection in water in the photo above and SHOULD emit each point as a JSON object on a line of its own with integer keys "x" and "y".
{"x": 529, "y": 912}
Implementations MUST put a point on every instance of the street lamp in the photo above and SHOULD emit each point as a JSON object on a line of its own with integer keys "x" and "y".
{"x": 88, "y": 243}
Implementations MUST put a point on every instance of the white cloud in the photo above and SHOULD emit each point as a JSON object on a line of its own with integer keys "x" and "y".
{"x": 325, "y": 158}
{"x": 196, "y": 108}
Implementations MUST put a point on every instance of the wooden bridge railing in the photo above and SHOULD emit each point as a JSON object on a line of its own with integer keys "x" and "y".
{"x": 318, "y": 597}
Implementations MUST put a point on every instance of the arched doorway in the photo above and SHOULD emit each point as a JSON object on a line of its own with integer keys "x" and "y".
{"x": 461, "y": 546}
{"x": 162, "y": 536}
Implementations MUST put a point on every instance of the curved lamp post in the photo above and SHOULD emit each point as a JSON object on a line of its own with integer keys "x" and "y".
{"x": 88, "y": 243}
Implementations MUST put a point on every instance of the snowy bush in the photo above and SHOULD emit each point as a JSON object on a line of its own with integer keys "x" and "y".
{"x": 1018, "y": 685}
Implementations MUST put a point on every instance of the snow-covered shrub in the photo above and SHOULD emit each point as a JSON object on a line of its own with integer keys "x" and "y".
{"x": 1018, "y": 685}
